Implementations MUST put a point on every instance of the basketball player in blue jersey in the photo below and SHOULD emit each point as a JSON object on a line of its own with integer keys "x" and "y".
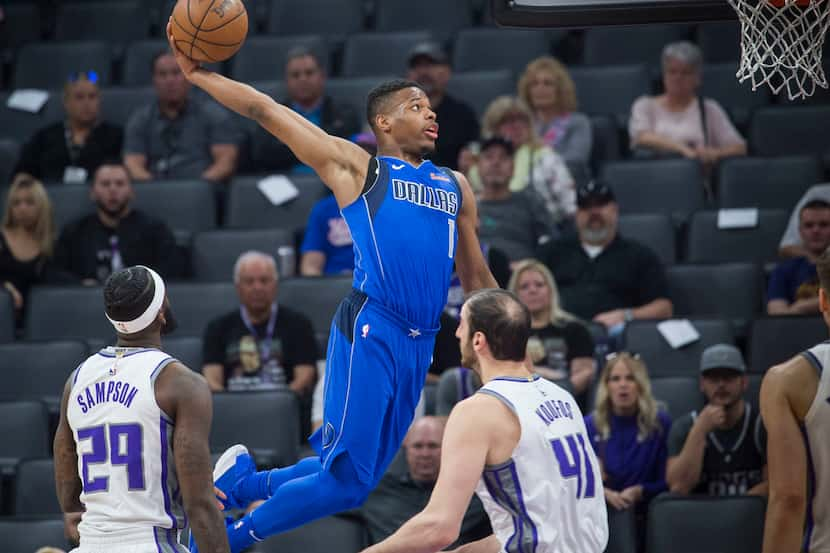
{"x": 409, "y": 221}
{"x": 131, "y": 448}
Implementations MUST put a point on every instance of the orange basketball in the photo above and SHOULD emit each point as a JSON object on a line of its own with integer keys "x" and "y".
{"x": 209, "y": 30}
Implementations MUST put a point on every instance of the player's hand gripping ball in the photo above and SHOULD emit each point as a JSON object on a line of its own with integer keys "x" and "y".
{"x": 209, "y": 30}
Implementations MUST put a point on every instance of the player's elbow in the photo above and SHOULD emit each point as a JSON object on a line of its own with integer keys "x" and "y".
{"x": 441, "y": 534}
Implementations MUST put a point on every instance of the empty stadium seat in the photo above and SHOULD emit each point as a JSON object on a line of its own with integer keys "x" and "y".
{"x": 610, "y": 90}
{"x": 119, "y": 103}
{"x": 479, "y": 88}
{"x": 185, "y": 205}
{"x": 773, "y": 340}
{"x": 333, "y": 19}
{"x": 25, "y": 535}
{"x": 636, "y": 44}
{"x": 196, "y": 304}
{"x": 709, "y": 244}
{"x": 214, "y": 253}
{"x": 9, "y": 152}
{"x": 353, "y": 91}
{"x": 790, "y": 130}
{"x": 263, "y": 57}
{"x": 400, "y": 15}
{"x": 622, "y": 531}
{"x": 654, "y": 230}
{"x": 69, "y": 203}
{"x": 711, "y": 524}
{"x": 492, "y": 49}
{"x": 187, "y": 349}
{"x": 680, "y": 394}
{"x": 317, "y": 298}
{"x": 66, "y": 313}
{"x": 20, "y": 125}
{"x": 272, "y": 444}
{"x": 38, "y": 370}
{"x": 766, "y": 183}
{"x": 48, "y": 64}
{"x": 116, "y": 22}
{"x": 34, "y": 488}
{"x": 138, "y": 61}
{"x": 738, "y": 99}
{"x": 369, "y": 54}
{"x": 248, "y": 207}
{"x": 720, "y": 42}
{"x": 661, "y": 359}
{"x": 25, "y": 430}
{"x": 343, "y": 534}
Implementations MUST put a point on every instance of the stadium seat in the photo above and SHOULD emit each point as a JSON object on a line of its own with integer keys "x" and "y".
{"x": 368, "y": 54}
{"x": 25, "y": 535}
{"x": 196, "y": 304}
{"x": 661, "y": 359}
{"x": 166, "y": 200}
{"x": 790, "y": 130}
{"x": 714, "y": 525}
{"x": 672, "y": 186}
{"x": 138, "y": 61}
{"x": 273, "y": 444}
{"x": 263, "y": 58}
{"x": 214, "y": 253}
{"x": 335, "y": 20}
{"x": 343, "y": 534}
{"x": 9, "y": 152}
{"x": 752, "y": 394}
{"x": 738, "y": 99}
{"x": 709, "y": 244}
{"x": 317, "y": 298}
{"x": 731, "y": 291}
{"x": 25, "y": 430}
{"x": 64, "y": 313}
{"x": 606, "y": 135}
{"x": 654, "y": 230}
{"x": 20, "y": 125}
{"x": 118, "y": 103}
{"x": 6, "y": 318}
{"x": 766, "y": 183}
{"x": 439, "y": 16}
{"x": 23, "y": 24}
{"x": 479, "y": 88}
{"x": 37, "y": 370}
{"x": 48, "y": 64}
{"x": 34, "y": 488}
{"x": 622, "y": 531}
{"x": 488, "y": 49}
{"x": 610, "y": 90}
{"x": 680, "y": 394}
{"x": 353, "y": 91}
{"x": 69, "y": 203}
{"x": 116, "y": 22}
{"x": 720, "y": 42}
{"x": 187, "y": 349}
{"x": 248, "y": 207}
{"x": 621, "y": 45}
{"x": 773, "y": 340}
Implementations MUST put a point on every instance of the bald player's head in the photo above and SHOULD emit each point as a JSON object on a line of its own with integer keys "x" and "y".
{"x": 423, "y": 448}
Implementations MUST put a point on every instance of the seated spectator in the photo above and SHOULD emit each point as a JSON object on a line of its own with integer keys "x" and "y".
{"x": 560, "y": 346}
{"x": 513, "y": 222}
{"x": 262, "y": 345}
{"x": 721, "y": 450}
{"x": 675, "y": 122}
{"x": 179, "y": 137}
{"x": 548, "y": 89}
{"x": 327, "y": 246}
{"x": 116, "y": 235}
{"x": 429, "y": 66}
{"x": 791, "y": 245}
{"x": 603, "y": 276}
{"x": 400, "y": 496}
{"x": 793, "y": 285}
{"x": 454, "y": 385}
{"x": 535, "y": 165}
{"x": 71, "y": 151}
{"x": 305, "y": 83}
{"x": 629, "y": 431}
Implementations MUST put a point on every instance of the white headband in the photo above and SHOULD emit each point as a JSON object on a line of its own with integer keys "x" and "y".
{"x": 145, "y": 319}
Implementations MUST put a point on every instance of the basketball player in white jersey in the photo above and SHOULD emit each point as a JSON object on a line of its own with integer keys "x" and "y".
{"x": 520, "y": 443}
{"x": 131, "y": 449}
{"x": 795, "y": 406}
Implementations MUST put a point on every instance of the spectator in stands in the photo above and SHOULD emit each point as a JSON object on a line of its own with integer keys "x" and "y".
{"x": 261, "y": 345}
{"x": 721, "y": 450}
{"x": 629, "y": 431}
{"x": 327, "y": 246}
{"x": 791, "y": 244}
{"x": 116, "y": 235}
{"x": 548, "y": 89}
{"x": 429, "y": 66}
{"x": 305, "y": 83}
{"x": 560, "y": 346}
{"x": 680, "y": 121}
{"x": 793, "y": 285}
{"x": 400, "y": 496}
{"x": 71, "y": 151}
{"x": 177, "y": 136}
{"x": 513, "y": 222}
{"x": 604, "y": 276}
{"x": 535, "y": 164}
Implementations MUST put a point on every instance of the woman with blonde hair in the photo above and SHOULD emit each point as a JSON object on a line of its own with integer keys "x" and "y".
{"x": 547, "y": 87}
{"x": 560, "y": 346}
{"x": 628, "y": 430}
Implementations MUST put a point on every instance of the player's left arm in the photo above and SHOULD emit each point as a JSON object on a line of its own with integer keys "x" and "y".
{"x": 469, "y": 261}
{"x": 67, "y": 482}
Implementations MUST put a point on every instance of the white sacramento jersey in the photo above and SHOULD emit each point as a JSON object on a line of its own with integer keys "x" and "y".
{"x": 817, "y": 435}
{"x": 548, "y": 498}
{"x": 125, "y": 452}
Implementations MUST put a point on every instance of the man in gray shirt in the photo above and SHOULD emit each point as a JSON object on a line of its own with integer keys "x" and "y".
{"x": 178, "y": 136}
{"x": 513, "y": 222}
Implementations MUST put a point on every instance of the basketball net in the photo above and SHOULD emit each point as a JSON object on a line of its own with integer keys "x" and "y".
{"x": 781, "y": 44}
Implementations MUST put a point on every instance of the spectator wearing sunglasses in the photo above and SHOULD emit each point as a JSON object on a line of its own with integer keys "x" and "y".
{"x": 178, "y": 136}
{"x": 70, "y": 151}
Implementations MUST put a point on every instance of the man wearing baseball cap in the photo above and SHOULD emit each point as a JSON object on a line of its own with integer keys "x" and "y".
{"x": 721, "y": 450}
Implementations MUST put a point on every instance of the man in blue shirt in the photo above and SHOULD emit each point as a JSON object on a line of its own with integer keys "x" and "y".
{"x": 793, "y": 285}
{"x": 327, "y": 246}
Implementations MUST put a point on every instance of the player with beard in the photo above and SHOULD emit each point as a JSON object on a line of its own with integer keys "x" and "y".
{"x": 116, "y": 235}
{"x": 131, "y": 448}
{"x": 520, "y": 443}
{"x": 410, "y": 221}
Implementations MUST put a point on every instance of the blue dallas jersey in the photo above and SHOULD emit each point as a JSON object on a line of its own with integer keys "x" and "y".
{"x": 404, "y": 230}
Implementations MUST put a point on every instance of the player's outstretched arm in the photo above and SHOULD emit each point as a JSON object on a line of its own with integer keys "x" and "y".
{"x": 67, "y": 482}
{"x": 185, "y": 396}
{"x": 469, "y": 261}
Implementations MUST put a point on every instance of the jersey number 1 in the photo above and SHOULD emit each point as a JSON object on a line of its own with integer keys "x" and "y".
{"x": 451, "y": 250}
{"x": 571, "y": 463}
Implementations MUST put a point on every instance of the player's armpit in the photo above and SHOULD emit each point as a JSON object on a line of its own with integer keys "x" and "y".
{"x": 67, "y": 482}
{"x": 469, "y": 260}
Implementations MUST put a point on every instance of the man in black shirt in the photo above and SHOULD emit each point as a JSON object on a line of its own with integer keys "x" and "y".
{"x": 261, "y": 345}
{"x": 115, "y": 236}
{"x": 429, "y": 66}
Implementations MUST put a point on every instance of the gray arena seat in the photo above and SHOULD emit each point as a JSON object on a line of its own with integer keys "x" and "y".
{"x": 766, "y": 183}
{"x": 34, "y": 488}
{"x": 187, "y": 349}
{"x": 317, "y": 298}
{"x": 25, "y": 430}
{"x": 263, "y": 58}
{"x": 333, "y": 19}
{"x": 773, "y": 340}
{"x": 67, "y": 313}
{"x": 119, "y": 103}
{"x": 606, "y": 146}
{"x": 166, "y": 200}
{"x": 69, "y": 202}
{"x": 116, "y": 22}
{"x": 24, "y": 535}
{"x": 790, "y": 130}
{"x": 709, "y": 244}
{"x": 214, "y": 253}
{"x": 622, "y": 531}
{"x": 621, "y": 45}
{"x": 488, "y": 49}
{"x": 610, "y": 90}
{"x": 21, "y": 125}
{"x": 718, "y": 41}
{"x": 654, "y": 230}
{"x": 39, "y": 370}
{"x": 196, "y": 304}
{"x": 48, "y": 64}
{"x": 680, "y": 394}
{"x": 338, "y": 533}
{"x": 248, "y": 208}
{"x": 369, "y": 54}
{"x": 479, "y": 88}
{"x": 9, "y": 153}
{"x": 399, "y": 15}
{"x": 138, "y": 60}
{"x": 738, "y": 99}
{"x": 353, "y": 91}
{"x": 6, "y": 318}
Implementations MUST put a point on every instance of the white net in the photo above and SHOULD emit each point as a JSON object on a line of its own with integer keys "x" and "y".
{"x": 781, "y": 45}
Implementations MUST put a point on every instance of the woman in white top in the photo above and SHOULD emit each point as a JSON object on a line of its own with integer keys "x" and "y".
{"x": 675, "y": 122}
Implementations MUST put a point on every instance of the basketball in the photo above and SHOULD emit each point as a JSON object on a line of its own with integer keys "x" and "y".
{"x": 209, "y": 30}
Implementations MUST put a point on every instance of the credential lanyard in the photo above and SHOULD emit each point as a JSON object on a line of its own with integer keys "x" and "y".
{"x": 265, "y": 342}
